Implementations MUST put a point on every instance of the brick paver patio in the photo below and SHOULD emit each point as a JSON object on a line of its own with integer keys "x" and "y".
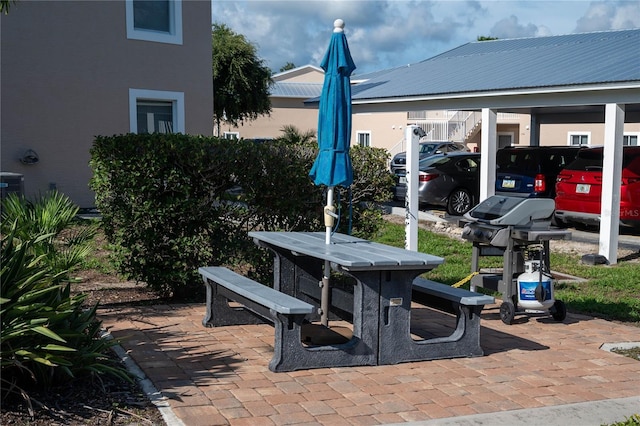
{"x": 219, "y": 376}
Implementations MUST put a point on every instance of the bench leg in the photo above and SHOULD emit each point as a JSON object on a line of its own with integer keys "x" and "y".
{"x": 287, "y": 354}
{"x": 219, "y": 313}
{"x": 463, "y": 342}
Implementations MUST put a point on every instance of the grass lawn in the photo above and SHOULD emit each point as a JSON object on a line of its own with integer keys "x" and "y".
{"x": 610, "y": 292}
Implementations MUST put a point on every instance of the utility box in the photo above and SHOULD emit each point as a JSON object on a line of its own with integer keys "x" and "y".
{"x": 11, "y": 183}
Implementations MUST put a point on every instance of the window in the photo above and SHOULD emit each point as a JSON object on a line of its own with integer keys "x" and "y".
{"x": 630, "y": 139}
{"x": 364, "y": 138}
{"x": 155, "y": 20}
{"x": 231, "y": 135}
{"x": 578, "y": 139}
{"x": 156, "y": 111}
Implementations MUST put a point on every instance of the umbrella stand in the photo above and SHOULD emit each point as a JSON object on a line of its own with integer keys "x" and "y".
{"x": 329, "y": 216}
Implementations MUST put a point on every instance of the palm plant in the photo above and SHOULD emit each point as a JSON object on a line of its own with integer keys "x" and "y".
{"x": 52, "y": 215}
{"x": 47, "y": 336}
{"x": 291, "y": 135}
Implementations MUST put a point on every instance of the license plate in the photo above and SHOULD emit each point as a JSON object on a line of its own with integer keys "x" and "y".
{"x": 403, "y": 180}
{"x": 508, "y": 183}
{"x": 583, "y": 188}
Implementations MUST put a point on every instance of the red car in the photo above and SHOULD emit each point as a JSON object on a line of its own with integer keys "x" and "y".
{"x": 579, "y": 188}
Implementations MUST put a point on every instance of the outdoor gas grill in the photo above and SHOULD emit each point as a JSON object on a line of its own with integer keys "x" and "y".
{"x": 519, "y": 230}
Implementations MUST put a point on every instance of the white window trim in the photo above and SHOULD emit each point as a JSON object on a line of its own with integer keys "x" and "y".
{"x": 636, "y": 134}
{"x": 176, "y": 98}
{"x": 174, "y": 36}
{"x": 363, "y": 132}
{"x": 235, "y": 134}
{"x": 571, "y": 134}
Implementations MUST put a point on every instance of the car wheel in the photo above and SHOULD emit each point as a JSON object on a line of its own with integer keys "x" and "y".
{"x": 459, "y": 202}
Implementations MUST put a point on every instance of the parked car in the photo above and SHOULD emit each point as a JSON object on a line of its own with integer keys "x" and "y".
{"x": 450, "y": 180}
{"x": 531, "y": 171}
{"x": 579, "y": 188}
{"x": 426, "y": 149}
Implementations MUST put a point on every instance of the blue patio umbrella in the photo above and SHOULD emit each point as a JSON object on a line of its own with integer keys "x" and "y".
{"x": 332, "y": 166}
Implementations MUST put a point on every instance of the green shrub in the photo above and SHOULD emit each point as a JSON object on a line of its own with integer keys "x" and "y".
{"x": 168, "y": 202}
{"x": 46, "y": 337}
{"x": 628, "y": 421}
{"x": 50, "y": 214}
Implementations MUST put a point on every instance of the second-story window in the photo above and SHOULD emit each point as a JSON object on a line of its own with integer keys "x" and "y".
{"x": 152, "y": 15}
{"x": 155, "y": 20}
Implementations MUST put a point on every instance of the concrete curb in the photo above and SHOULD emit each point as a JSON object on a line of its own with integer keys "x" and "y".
{"x": 150, "y": 391}
{"x": 594, "y": 413}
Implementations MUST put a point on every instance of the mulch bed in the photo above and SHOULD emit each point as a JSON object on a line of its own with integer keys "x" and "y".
{"x": 90, "y": 402}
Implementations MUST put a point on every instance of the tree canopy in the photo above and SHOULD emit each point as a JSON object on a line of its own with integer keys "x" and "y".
{"x": 288, "y": 66}
{"x": 240, "y": 78}
{"x": 5, "y": 5}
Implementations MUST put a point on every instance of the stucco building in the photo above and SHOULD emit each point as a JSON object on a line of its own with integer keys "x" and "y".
{"x": 72, "y": 70}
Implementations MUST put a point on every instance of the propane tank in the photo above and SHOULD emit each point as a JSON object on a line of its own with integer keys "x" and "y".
{"x": 535, "y": 287}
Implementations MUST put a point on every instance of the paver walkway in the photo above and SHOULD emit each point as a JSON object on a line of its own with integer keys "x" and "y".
{"x": 219, "y": 376}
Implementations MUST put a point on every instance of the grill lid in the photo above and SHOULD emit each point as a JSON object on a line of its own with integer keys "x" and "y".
{"x": 506, "y": 211}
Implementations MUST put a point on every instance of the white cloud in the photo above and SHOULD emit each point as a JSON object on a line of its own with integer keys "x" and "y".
{"x": 391, "y": 33}
{"x": 607, "y": 15}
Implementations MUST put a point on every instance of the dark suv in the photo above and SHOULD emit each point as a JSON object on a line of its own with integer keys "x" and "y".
{"x": 531, "y": 171}
{"x": 426, "y": 149}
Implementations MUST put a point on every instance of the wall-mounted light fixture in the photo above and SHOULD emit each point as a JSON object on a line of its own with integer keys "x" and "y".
{"x": 30, "y": 157}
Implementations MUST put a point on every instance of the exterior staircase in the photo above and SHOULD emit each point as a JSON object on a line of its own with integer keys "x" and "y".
{"x": 461, "y": 126}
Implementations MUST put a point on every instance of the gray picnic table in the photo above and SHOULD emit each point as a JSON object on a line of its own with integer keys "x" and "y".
{"x": 379, "y": 301}
{"x": 375, "y": 299}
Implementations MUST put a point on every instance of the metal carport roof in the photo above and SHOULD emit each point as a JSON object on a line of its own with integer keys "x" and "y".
{"x": 591, "y": 74}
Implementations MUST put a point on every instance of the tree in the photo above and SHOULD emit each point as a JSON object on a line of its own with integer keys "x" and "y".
{"x": 288, "y": 66}
{"x": 5, "y": 5}
{"x": 291, "y": 135}
{"x": 240, "y": 79}
{"x": 486, "y": 38}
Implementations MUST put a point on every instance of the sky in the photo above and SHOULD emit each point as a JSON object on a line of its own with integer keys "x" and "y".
{"x": 384, "y": 34}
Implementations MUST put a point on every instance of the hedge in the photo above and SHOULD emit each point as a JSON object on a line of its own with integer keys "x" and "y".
{"x": 173, "y": 203}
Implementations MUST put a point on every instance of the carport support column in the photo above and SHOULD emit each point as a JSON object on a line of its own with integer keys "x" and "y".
{"x": 611, "y": 178}
{"x": 411, "y": 201}
{"x": 488, "y": 149}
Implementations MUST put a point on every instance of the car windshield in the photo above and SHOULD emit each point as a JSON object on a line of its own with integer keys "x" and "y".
{"x": 428, "y": 148}
{"x": 591, "y": 160}
{"x": 515, "y": 160}
{"x": 587, "y": 160}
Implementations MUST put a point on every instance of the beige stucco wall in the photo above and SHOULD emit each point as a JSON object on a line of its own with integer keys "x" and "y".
{"x": 387, "y": 129}
{"x": 285, "y": 111}
{"x": 558, "y": 133}
{"x": 304, "y": 74}
{"x": 67, "y": 67}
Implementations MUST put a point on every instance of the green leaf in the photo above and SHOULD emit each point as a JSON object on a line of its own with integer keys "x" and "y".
{"x": 52, "y": 347}
{"x": 48, "y": 333}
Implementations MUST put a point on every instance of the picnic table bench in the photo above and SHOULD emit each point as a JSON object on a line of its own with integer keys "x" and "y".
{"x": 466, "y": 305}
{"x": 259, "y": 303}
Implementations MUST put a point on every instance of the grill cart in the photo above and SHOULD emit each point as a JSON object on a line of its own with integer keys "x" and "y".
{"x": 519, "y": 230}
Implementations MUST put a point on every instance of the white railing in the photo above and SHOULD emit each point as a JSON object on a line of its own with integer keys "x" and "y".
{"x": 462, "y": 125}
{"x": 435, "y": 130}
{"x": 398, "y": 147}
{"x": 456, "y": 128}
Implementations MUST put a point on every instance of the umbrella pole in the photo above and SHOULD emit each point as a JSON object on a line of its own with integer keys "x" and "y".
{"x": 329, "y": 212}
